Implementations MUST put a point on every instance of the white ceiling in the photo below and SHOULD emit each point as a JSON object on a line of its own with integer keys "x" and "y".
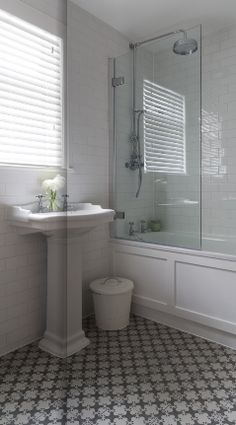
{"x": 139, "y": 19}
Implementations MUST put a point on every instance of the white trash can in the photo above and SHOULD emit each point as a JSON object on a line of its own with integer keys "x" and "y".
{"x": 112, "y": 300}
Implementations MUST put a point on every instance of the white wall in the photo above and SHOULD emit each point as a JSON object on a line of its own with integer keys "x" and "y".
{"x": 219, "y": 136}
{"x": 55, "y": 9}
{"x": 23, "y": 259}
{"x": 90, "y": 44}
{"x": 218, "y": 140}
{"x": 218, "y": 143}
{"x": 181, "y": 74}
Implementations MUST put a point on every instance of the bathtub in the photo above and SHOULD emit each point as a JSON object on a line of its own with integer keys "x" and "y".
{"x": 189, "y": 289}
{"x": 218, "y": 244}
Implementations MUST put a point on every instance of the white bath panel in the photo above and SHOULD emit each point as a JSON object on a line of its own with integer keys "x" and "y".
{"x": 208, "y": 291}
{"x": 143, "y": 270}
{"x": 191, "y": 290}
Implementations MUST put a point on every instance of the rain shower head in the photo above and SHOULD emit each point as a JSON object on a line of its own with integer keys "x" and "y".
{"x": 185, "y": 46}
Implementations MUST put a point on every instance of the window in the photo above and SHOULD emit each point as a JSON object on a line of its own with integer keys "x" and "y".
{"x": 31, "y": 94}
{"x": 164, "y": 130}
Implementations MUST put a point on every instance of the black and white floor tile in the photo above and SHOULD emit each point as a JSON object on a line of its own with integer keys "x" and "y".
{"x": 148, "y": 374}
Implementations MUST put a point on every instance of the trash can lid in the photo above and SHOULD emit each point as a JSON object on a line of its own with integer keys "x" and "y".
{"x": 111, "y": 286}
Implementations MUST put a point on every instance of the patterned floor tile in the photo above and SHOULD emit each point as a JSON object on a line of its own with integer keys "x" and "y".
{"x": 148, "y": 374}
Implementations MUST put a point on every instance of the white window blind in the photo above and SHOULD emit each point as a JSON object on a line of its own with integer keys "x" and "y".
{"x": 31, "y": 94}
{"x": 164, "y": 129}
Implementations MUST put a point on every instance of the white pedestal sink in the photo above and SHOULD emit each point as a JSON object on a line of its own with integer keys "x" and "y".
{"x": 64, "y": 335}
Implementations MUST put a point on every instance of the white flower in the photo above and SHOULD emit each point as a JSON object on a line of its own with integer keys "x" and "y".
{"x": 59, "y": 182}
{"x": 54, "y": 184}
{"x": 46, "y": 185}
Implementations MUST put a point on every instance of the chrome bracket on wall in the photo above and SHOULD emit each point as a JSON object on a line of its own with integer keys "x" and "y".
{"x": 119, "y": 215}
{"x": 118, "y": 81}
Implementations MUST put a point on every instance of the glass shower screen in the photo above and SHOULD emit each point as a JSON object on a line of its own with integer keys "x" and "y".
{"x": 157, "y": 144}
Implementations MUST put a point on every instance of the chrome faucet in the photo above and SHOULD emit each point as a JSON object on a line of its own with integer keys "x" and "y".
{"x": 65, "y": 202}
{"x": 131, "y": 228}
{"x": 40, "y": 207}
{"x": 142, "y": 226}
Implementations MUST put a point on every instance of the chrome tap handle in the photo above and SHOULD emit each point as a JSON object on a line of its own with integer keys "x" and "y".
{"x": 40, "y": 202}
{"x": 142, "y": 226}
{"x": 65, "y": 202}
{"x": 131, "y": 228}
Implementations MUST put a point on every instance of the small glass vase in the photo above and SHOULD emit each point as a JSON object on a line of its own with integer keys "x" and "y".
{"x": 53, "y": 201}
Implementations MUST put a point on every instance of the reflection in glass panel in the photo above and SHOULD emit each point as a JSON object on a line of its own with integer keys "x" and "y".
{"x": 157, "y": 141}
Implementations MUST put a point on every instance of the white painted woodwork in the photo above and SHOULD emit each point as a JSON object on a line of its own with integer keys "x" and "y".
{"x": 64, "y": 335}
{"x": 188, "y": 289}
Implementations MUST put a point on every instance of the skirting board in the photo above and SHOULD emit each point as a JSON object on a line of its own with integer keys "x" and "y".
{"x": 17, "y": 346}
{"x": 202, "y": 331}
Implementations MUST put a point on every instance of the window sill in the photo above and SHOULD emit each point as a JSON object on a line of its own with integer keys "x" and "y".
{"x": 19, "y": 167}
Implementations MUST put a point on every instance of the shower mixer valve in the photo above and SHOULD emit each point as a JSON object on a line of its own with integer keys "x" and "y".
{"x": 134, "y": 162}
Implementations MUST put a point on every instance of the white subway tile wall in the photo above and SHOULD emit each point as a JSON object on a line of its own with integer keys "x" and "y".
{"x": 219, "y": 137}
{"x": 90, "y": 44}
{"x": 23, "y": 259}
{"x": 22, "y": 266}
{"x": 218, "y": 144}
{"x": 181, "y": 193}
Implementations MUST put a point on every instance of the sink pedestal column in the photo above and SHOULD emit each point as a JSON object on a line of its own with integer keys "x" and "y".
{"x": 64, "y": 335}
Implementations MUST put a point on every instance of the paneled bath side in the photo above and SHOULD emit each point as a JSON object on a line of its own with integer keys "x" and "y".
{"x": 191, "y": 290}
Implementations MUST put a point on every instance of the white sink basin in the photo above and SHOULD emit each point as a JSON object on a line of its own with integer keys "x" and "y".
{"x": 64, "y": 335}
{"x": 85, "y": 217}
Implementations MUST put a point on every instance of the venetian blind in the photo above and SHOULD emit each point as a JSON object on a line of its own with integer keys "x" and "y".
{"x": 164, "y": 129}
{"x": 31, "y": 94}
